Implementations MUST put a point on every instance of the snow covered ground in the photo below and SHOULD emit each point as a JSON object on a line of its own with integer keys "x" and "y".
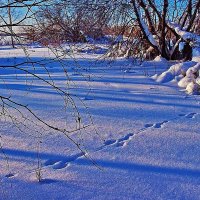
{"x": 148, "y": 141}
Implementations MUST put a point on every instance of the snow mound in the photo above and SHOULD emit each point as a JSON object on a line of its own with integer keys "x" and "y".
{"x": 196, "y": 54}
{"x": 185, "y": 81}
{"x": 198, "y": 80}
{"x": 193, "y": 88}
{"x": 165, "y": 77}
{"x": 193, "y": 71}
{"x": 174, "y": 70}
{"x": 185, "y": 73}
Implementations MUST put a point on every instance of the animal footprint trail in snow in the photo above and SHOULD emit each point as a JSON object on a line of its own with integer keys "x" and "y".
{"x": 121, "y": 142}
{"x": 60, "y": 164}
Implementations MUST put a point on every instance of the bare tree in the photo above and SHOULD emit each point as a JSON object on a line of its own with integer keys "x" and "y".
{"x": 160, "y": 20}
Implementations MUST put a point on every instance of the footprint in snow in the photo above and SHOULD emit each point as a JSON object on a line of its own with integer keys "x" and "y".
{"x": 159, "y": 125}
{"x": 124, "y": 140}
{"x": 156, "y": 125}
{"x": 10, "y": 175}
{"x": 188, "y": 116}
{"x": 191, "y": 115}
{"x": 109, "y": 142}
{"x": 119, "y": 142}
{"x": 60, "y": 164}
{"x": 148, "y": 125}
{"x": 51, "y": 162}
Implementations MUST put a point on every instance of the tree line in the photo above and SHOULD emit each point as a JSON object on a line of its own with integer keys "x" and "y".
{"x": 158, "y": 26}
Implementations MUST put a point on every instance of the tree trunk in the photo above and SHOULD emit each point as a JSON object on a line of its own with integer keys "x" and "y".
{"x": 187, "y": 52}
{"x": 10, "y": 23}
{"x": 146, "y": 36}
{"x": 164, "y": 53}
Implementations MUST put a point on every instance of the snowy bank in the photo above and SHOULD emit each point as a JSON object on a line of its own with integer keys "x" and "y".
{"x": 185, "y": 73}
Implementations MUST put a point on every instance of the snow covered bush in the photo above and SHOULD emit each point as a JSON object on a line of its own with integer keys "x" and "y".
{"x": 191, "y": 80}
{"x": 187, "y": 74}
